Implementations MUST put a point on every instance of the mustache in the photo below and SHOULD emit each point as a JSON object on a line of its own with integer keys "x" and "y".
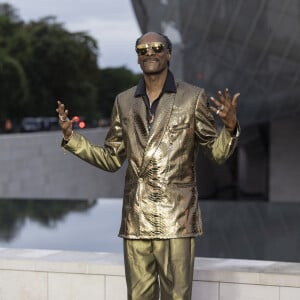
{"x": 150, "y": 59}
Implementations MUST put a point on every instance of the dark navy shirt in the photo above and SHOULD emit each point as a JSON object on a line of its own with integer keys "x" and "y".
{"x": 169, "y": 87}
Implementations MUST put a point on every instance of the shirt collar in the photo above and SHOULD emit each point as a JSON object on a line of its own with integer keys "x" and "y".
{"x": 169, "y": 86}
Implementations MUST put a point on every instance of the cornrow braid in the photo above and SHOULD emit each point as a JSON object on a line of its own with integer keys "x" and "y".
{"x": 167, "y": 41}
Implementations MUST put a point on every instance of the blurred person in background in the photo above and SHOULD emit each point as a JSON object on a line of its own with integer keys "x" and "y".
{"x": 158, "y": 126}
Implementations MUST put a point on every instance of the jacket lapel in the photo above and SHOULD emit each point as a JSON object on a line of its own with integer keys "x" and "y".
{"x": 159, "y": 126}
{"x": 140, "y": 122}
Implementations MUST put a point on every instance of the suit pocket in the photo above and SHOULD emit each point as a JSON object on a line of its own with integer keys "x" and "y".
{"x": 180, "y": 127}
{"x": 184, "y": 184}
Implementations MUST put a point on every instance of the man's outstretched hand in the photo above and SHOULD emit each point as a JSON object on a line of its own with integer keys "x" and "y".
{"x": 64, "y": 122}
{"x": 225, "y": 108}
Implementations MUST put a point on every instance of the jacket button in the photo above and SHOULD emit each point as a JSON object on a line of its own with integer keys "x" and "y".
{"x": 141, "y": 180}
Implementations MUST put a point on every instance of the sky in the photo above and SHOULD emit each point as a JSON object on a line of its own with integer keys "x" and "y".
{"x": 111, "y": 22}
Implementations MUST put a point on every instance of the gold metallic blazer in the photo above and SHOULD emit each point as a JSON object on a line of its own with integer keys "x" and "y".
{"x": 160, "y": 196}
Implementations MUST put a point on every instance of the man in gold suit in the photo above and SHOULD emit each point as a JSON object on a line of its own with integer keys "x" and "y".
{"x": 158, "y": 126}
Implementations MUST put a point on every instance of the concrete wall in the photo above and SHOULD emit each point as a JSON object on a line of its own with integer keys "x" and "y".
{"x": 284, "y": 183}
{"x": 58, "y": 275}
{"x": 33, "y": 165}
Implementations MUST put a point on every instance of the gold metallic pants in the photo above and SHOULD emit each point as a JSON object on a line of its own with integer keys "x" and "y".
{"x": 159, "y": 269}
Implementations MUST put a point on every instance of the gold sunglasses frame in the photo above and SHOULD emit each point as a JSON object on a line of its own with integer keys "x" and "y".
{"x": 157, "y": 47}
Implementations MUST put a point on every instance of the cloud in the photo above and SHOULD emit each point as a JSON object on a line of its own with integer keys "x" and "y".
{"x": 116, "y": 40}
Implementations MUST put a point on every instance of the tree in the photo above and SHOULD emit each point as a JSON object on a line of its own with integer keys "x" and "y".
{"x": 13, "y": 80}
{"x": 62, "y": 65}
{"x": 9, "y": 12}
{"x": 41, "y": 62}
{"x": 112, "y": 81}
{"x": 13, "y": 87}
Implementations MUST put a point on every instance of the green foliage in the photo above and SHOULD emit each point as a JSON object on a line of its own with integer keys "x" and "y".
{"x": 41, "y": 62}
{"x": 111, "y": 82}
{"x": 13, "y": 87}
{"x": 13, "y": 80}
{"x": 62, "y": 66}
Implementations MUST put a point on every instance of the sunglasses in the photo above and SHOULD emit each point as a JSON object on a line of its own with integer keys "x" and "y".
{"x": 142, "y": 49}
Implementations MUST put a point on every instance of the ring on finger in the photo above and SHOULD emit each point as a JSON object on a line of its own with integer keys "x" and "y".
{"x": 218, "y": 111}
{"x": 221, "y": 107}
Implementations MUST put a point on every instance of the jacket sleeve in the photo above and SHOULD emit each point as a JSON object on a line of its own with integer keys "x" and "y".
{"x": 217, "y": 145}
{"x": 109, "y": 157}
